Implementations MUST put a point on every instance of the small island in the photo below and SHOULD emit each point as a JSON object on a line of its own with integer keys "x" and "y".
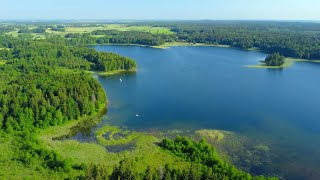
{"x": 275, "y": 59}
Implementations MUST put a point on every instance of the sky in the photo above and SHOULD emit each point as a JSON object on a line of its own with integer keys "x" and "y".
{"x": 160, "y": 9}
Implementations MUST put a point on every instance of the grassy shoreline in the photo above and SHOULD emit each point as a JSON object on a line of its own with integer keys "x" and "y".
{"x": 65, "y": 129}
{"x": 164, "y": 46}
{"x": 120, "y": 71}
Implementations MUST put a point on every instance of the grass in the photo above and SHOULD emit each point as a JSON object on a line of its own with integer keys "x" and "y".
{"x": 35, "y": 35}
{"x": 13, "y": 33}
{"x": 145, "y": 151}
{"x": 253, "y": 49}
{"x": 102, "y": 73}
{"x": 288, "y": 62}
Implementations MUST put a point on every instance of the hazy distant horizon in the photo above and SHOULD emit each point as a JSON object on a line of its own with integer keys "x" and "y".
{"x": 284, "y": 10}
{"x": 154, "y": 20}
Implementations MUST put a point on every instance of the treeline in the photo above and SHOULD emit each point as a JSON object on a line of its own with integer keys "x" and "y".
{"x": 300, "y": 40}
{"x": 76, "y": 39}
{"x": 40, "y": 29}
{"x": 204, "y": 164}
{"x": 46, "y": 97}
{"x": 5, "y": 29}
{"x": 116, "y": 37}
{"x": 10, "y": 42}
{"x": 104, "y": 61}
{"x": 289, "y": 40}
{"x": 129, "y": 37}
{"x": 58, "y": 28}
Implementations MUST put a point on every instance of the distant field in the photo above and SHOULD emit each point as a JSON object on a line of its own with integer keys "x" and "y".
{"x": 35, "y": 35}
{"x": 13, "y": 33}
{"x": 117, "y": 27}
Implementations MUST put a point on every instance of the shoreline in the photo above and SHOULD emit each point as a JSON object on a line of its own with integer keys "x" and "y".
{"x": 289, "y": 61}
{"x": 166, "y": 45}
{"x": 114, "y": 72}
{"x": 64, "y": 130}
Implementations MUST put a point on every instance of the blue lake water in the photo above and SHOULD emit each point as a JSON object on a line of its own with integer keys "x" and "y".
{"x": 209, "y": 88}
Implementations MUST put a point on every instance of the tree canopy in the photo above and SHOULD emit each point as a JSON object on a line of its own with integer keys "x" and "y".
{"x": 274, "y": 59}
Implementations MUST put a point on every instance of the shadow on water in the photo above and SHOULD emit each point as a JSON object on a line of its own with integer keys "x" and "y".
{"x": 275, "y": 71}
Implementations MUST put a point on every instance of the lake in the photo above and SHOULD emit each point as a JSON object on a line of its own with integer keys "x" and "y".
{"x": 209, "y": 88}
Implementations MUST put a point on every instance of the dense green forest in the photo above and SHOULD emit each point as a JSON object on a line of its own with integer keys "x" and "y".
{"x": 129, "y": 37}
{"x": 54, "y": 52}
{"x": 5, "y": 29}
{"x": 36, "y": 91}
{"x": 43, "y": 84}
{"x": 274, "y": 59}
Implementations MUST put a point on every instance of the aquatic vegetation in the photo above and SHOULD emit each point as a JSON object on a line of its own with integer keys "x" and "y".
{"x": 214, "y": 135}
{"x": 206, "y": 156}
{"x": 111, "y": 131}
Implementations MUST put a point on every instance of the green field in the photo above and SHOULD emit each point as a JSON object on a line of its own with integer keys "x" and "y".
{"x": 35, "y": 35}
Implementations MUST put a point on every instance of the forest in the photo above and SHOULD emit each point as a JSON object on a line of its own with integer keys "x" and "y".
{"x": 298, "y": 40}
{"x": 268, "y": 38}
{"x": 44, "y": 84}
{"x": 39, "y": 90}
{"x": 128, "y": 37}
{"x": 274, "y": 59}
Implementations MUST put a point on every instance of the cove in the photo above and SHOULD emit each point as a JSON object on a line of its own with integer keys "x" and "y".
{"x": 194, "y": 88}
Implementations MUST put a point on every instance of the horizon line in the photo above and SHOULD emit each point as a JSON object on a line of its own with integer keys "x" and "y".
{"x": 72, "y": 19}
